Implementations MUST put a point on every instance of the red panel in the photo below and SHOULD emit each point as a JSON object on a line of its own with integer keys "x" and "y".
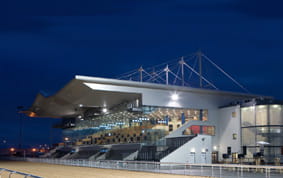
{"x": 195, "y": 129}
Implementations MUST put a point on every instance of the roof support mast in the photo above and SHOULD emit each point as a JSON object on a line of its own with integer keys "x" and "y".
{"x": 141, "y": 70}
{"x": 182, "y": 70}
{"x": 177, "y": 69}
{"x": 167, "y": 71}
{"x": 199, "y": 56}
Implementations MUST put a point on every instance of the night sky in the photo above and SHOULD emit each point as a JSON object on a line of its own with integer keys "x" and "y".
{"x": 44, "y": 45}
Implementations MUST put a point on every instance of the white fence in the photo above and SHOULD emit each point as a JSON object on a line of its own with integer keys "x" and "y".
{"x": 213, "y": 170}
{"x": 11, "y": 172}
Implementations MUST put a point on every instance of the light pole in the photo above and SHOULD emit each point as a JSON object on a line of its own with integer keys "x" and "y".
{"x": 19, "y": 109}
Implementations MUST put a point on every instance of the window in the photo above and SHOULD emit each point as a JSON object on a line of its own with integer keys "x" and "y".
{"x": 170, "y": 128}
{"x": 234, "y": 136}
{"x": 208, "y": 130}
{"x": 276, "y": 115}
{"x": 261, "y": 115}
{"x": 248, "y": 116}
{"x": 196, "y": 129}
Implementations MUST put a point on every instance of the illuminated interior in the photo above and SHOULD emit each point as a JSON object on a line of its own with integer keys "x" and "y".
{"x": 146, "y": 125}
{"x": 262, "y": 123}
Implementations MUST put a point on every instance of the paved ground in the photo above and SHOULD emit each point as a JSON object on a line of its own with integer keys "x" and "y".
{"x": 60, "y": 171}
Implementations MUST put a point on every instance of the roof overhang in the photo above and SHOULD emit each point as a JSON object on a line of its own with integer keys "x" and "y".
{"x": 76, "y": 97}
{"x": 85, "y": 92}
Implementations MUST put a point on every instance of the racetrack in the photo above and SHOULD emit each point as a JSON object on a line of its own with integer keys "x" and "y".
{"x": 60, "y": 171}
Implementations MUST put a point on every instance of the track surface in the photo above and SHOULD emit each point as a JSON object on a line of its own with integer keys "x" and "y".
{"x": 60, "y": 171}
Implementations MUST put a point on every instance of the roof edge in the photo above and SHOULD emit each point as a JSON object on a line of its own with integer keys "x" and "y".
{"x": 161, "y": 86}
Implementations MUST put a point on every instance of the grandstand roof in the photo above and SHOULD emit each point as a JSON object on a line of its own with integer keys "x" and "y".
{"x": 85, "y": 92}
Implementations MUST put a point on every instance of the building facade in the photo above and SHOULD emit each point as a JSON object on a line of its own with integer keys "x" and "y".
{"x": 116, "y": 119}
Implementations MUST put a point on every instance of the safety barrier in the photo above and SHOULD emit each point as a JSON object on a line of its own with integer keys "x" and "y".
{"x": 11, "y": 172}
{"x": 213, "y": 170}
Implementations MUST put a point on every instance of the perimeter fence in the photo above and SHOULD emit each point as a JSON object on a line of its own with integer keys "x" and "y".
{"x": 9, "y": 173}
{"x": 210, "y": 170}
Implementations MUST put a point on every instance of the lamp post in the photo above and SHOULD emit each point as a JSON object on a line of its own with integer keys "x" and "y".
{"x": 19, "y": 109}
{"x": 66, "y": 140}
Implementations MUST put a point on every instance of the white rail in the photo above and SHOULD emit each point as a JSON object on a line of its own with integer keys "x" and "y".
{"x": 213, "y": 170}
{"x": 11, "y": 172}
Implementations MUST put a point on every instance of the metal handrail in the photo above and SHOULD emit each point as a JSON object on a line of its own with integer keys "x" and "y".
{"x": 214, "y": 170}
{"x": 2, "y": 170}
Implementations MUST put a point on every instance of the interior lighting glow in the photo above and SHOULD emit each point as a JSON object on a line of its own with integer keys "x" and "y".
{"x": 12, "y": 149}
{"x": 104, "y": 110}
{"x": 276, "y": 106}
{"x": 32, "y": 114}
{"x": 175, "y": 97}
{"x": 193, "y": 150}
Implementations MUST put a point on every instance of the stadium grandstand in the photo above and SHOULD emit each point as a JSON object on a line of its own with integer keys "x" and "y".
{"x": 162, "y": 116}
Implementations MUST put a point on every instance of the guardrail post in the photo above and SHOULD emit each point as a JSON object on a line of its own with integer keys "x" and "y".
{"x": 10, "y": 175}
{"x": 267, "y": 172}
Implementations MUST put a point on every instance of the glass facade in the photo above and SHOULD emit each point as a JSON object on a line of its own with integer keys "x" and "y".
{"x": 145, "y": 125}
{"x": 263, "y": 123}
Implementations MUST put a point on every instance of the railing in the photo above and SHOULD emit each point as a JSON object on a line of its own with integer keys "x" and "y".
{"x": 11, "y": 172}
{"x": 213, "y": 170}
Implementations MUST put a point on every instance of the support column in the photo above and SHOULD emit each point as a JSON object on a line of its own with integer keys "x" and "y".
{"x": 199, "y": 55}
{"x": 167, "y": 71}
{"x": 141, "y": 70}
{"x": 182, "y": 70}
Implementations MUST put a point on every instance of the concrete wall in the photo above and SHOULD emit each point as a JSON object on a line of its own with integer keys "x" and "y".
{"x": 197, "y": 150}
{"x": 226, "y": 127}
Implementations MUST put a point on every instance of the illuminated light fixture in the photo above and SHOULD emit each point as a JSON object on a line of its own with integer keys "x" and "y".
{"x": 104, "y": 110}
{"x": 12, "y": 149}
{"x": 276, "y": 106}
{"x": 80, "y": 117}
{"x": 203, "y": 150}
{"x": 193, "y": 150}
{"x": 32, "y": 114}
{"x": 66, "y": 139}
{"x": 215, "y": 148}
{"x": 174, "y": 96}
{"x": 33, "y": 150}
{"x": 80, "y": 105}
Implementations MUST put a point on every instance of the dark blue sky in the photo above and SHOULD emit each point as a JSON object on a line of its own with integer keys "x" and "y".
{"x": 43, "y": 45}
